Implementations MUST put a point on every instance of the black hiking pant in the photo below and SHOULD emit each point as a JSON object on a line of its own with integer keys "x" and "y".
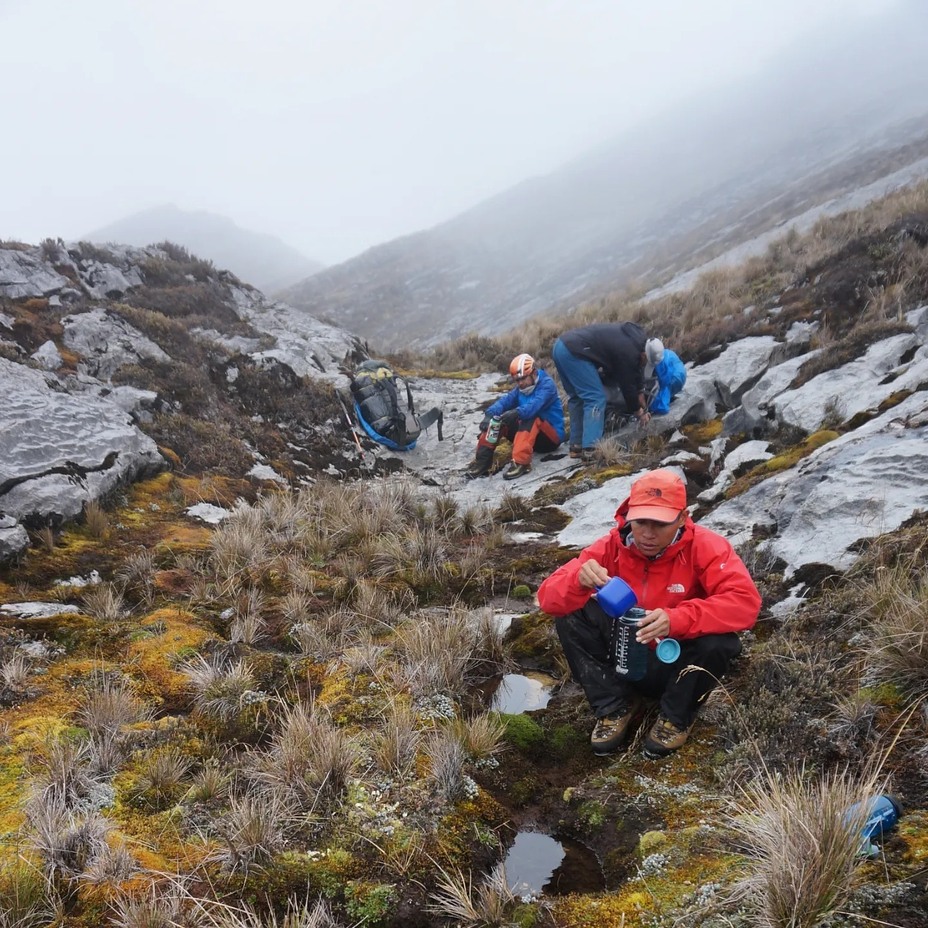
{"x": 587, "y": 639}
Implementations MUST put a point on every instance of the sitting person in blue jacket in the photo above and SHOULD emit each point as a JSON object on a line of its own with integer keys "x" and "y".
{"x": 531, "y": 415}
{"x": 670, "y": 373}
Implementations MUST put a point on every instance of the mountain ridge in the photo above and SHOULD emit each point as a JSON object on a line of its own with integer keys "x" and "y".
{"x": 258, "y": 258}
{"x": 821, "y": 121}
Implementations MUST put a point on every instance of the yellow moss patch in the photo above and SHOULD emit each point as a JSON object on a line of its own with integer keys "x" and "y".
{"x": 781, "y": 462}
{"x": 913, "y": 829}
{"x": 702, "y": 432}
{"x": 156, "y": 655}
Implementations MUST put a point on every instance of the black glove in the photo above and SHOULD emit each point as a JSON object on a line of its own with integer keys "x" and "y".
{"x": 484, "y": 424}
{"x": 510, "y": 419}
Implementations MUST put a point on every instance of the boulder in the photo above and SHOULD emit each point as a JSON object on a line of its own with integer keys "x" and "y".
{"x": 840, "y": 494}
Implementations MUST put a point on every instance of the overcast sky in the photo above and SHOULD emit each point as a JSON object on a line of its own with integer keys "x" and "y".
{"x": 340, "y": 124}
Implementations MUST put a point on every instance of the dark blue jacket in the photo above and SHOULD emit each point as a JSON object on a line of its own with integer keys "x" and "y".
{"x": 543, "y": 402}
{"x": 615, "y": 348}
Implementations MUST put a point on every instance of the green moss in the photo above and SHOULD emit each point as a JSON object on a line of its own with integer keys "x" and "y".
{"x": 650, "y": 841}
{"x": 566, "y": 740}
{"x": 332, "y": 871}
{"x": 703, "y": 432}
{"x": 592, "y": 813}
{"x": 369, "y": 903}
{"x": 522, "y": 591}
{"x": 523, "y": 732}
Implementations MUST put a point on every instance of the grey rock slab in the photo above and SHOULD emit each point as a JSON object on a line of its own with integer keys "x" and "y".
{"x": 309, "y": 347}
{"x": 47, "y": 356}
{"x": 858, "y": 386}
{"x": 37, "y": 610}
{"x": 14, "y": 539}
{"x": 106, "y": 342}
{"x": 104, "y": 281}
{"x": 61, "y": 450}
{"x": 24, "y": 274}
{"x": 750, "y": 452}
{"x": 756, "y": 410}
{"x": 861, "y": 485}
{"x": 741, "y": 365}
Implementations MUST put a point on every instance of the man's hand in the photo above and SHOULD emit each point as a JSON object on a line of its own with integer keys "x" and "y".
{"x": 644, "y": 417}
{"x": 484, "y": 424}
{"x": 592, "y": 575}
{"x": 656, "y": 624}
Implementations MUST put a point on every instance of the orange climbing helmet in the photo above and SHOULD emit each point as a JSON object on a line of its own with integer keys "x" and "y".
{"x": 522, "y": 365}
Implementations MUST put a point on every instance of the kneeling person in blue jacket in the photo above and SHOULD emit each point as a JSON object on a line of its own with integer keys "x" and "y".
{"x": 531, "y": 415}
{"x": 670, "y": 374}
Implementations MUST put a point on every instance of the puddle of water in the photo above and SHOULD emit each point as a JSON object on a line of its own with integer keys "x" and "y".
{"x": 522, "y": 692}
{"x": 538, "y": 864}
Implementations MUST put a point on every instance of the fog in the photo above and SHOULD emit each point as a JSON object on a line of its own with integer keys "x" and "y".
{"x": 341, "y": 124}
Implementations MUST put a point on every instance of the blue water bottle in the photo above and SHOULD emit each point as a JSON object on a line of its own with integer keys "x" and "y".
{"x": 618, "y": 600}
{"x": 882, "y": 814}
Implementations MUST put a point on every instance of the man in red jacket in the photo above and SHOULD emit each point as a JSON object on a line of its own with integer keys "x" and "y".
{"x": 695, "y": 589}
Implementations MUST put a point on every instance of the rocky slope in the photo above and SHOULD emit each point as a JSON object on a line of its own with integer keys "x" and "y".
{"x": 668, "y": 196}
{"x": 173, "y": 397}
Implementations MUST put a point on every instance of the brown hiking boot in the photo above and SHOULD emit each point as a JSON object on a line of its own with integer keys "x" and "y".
{"x": 517, "y": 470}
{"x": 664, "y": 738}
{"x": 610, "y": 731}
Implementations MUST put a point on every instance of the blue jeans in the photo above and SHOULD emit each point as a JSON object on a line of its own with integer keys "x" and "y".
{"x": 586, "y": 398}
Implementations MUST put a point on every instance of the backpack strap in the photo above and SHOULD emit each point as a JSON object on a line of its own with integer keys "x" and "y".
{"x": 432, "y": 416}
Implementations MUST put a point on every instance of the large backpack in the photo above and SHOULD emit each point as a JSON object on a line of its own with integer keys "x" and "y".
{"x": 384, "y": 406}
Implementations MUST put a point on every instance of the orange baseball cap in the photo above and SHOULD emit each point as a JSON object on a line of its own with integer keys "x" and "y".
{"x": 659, "y": 495}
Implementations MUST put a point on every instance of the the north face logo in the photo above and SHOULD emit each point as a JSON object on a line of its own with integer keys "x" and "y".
{"x": 676, "y": 588}
{"x": 654, "y": 491}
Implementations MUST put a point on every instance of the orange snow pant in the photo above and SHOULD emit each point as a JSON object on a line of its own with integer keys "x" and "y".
{"x": 524, "y": 438}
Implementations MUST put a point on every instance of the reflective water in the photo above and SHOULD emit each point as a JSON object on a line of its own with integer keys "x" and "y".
{"x": 538, "y": 864}
{"x": 519, "y": 692}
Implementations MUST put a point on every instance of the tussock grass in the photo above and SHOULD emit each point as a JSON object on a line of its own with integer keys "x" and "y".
{"x": 802, "y": 844}
{"x": 395, "y": 747}
{"x": 64, "y": 776}
{"x": 104, "y": 602}
{"x": 158, "y": 906}
{"x": 28, "y": 899}
{"x": 222, "y": 689}
{"x": 897, "y": 613}
{"x": 14, "y": 671}
{"x": 212, "y": 914}
{"x": 488, "y": 904}
{"x": 437, "y": 655}
{"x": 96, "y": 520}
{"x": 310, "y": 760}
{"x": 109, "y": 704}
{"x": 255, "y": 827}
{"x": 67, "y": 841}
{"x": 136, "y": 575}
{"x": 447, "y": 760}
{"x": 212, "y": 782}
{"x": 161, "y": 776}
{"x": 481, "y": 736}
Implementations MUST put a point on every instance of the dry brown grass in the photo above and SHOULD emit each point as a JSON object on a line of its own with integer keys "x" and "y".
{"x": 802, "y": 844}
